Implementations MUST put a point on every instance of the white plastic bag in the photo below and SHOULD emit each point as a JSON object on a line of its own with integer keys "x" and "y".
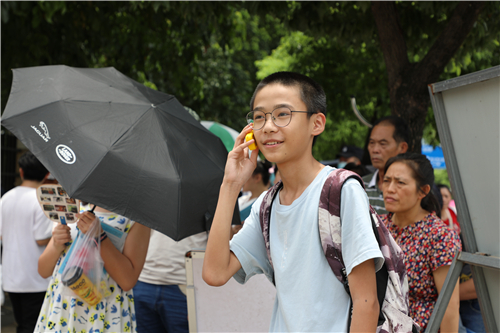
{"x": 83, "y": 273}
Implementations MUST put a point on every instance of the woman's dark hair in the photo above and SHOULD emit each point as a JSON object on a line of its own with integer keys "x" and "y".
{"x": 423, "y": 173}
{"x": 262, "y": 169}
{"x": 440, "y": 186}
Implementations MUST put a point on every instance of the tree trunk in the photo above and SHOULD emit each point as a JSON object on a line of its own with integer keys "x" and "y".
{"x": 407, "y": 82}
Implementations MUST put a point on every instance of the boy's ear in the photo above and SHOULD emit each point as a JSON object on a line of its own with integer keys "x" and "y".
{"x": 319, "y": 122}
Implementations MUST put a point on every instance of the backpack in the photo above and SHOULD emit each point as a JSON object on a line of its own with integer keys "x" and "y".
{"x": 392, "y": 282}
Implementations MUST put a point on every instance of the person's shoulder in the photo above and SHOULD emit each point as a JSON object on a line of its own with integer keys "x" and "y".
{"x": 353, "y": 184}
{"x": 367, "y": 178}
{"x": 19, "y": 193}
{"x": 9, "y": 194}
{"x": 438, "y": 229}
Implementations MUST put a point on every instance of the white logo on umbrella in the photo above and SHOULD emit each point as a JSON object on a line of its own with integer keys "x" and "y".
{"x": 45, "y": 135}
{"x": 65, "y": 154}
{"x": 45, "y": 129}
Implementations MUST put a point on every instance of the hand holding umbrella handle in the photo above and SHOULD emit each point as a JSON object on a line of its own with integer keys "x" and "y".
{"x": 86, "y": 220}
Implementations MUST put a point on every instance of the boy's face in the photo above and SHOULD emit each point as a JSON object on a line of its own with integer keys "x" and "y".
{"x": 293, "y": 142}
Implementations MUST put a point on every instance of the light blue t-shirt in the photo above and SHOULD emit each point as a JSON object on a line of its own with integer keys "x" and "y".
{"x": 309, "y": 298}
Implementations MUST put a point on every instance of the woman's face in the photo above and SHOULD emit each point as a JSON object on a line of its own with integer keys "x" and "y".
{"x": 400, "y": 189}
{"x": 446, "y": 197}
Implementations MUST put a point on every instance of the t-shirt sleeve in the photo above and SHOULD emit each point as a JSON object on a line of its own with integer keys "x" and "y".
{"x": 42, "y": 227}
{"x": 358, "y": 240}
{"x": 445, "y": 242}
{"x": 249, "y": 247}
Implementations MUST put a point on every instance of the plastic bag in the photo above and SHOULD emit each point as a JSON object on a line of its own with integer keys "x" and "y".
{"x": 83, "y": 274}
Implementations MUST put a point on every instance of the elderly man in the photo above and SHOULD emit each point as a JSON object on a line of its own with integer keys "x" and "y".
{"x": 388, "y": 138}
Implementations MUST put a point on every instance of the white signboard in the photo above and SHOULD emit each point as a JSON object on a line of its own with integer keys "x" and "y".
{"x": 230, "y": 308}
{"x": 467, "y": 111}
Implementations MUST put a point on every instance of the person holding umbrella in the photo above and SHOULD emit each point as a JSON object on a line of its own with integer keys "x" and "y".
{"x": 123, "y": 253}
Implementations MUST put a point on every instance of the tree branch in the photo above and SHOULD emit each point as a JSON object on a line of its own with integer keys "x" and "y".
{"x": 456, "y": 31}
{"x": 392, "y": 40}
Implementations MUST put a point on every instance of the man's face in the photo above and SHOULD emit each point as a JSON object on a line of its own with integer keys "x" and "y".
{"x": 382, "y": 145}
{"x": 290, "y": 143}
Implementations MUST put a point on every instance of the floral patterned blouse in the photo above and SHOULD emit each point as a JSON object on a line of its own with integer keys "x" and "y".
{"x": 67, "y": 313}
{"x": 428, "y": 244}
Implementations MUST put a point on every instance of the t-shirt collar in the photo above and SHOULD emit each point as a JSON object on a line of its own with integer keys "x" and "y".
{"x": 373, "y": 182}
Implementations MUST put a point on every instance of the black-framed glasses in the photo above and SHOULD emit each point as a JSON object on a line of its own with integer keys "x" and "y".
{"x": 281, "y": 117}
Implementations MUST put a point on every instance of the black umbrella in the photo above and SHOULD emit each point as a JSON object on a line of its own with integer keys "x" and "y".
{"x": 118, "y": 144}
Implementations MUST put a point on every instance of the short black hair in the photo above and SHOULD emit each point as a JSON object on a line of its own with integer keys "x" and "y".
{"x": 401, "y": 130}
{"x": 311, "y": 92}
{"x": 33, "y": 169}
{"x": 262, "y": 169}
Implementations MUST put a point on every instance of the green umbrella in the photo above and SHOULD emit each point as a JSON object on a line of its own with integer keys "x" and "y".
{"x": 225, "y": 133}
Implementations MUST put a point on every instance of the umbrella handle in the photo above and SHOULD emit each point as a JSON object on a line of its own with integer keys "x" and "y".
{"x": 92, "y": 210}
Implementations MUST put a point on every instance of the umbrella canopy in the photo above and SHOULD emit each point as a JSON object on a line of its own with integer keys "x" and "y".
{"x": 225, "y": 133}
{"x": 118, "y": 144}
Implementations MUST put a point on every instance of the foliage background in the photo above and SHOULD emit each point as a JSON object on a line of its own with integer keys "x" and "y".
{"x": 211, "y": 55}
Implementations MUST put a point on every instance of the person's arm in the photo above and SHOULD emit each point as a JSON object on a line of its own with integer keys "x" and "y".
{"x": 467, "y": 290}
{"x": 125, "y": 267}
{"x": 43, "y": 242}
{"x": 42, "y": 226}
{"x": 220, "y": 264}
{"x": 452, "y": 314}
{"x": 363, "y": 287}
{"x": 56, "y": 245}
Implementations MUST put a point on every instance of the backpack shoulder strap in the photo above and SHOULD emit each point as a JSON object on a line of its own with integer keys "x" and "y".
{"x": 329, "y": 221}
{"x": 265, "y": 215}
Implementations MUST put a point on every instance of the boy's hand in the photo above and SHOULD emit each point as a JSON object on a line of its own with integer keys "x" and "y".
{"x": 61, "y": 235}
{"x": 239, "y": 166}
{"x": 85, "y": 221}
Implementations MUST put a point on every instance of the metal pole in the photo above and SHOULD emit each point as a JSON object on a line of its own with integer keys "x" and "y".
{"x": 445, "y": 295}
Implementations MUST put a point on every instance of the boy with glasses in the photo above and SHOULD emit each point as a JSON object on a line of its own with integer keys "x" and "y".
{"x": 288, "y": 112}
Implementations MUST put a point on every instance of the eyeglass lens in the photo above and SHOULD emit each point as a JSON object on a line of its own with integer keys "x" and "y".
{"x": 281, "y": 117}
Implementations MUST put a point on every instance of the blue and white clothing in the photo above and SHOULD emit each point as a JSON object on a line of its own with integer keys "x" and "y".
{"x": 309, "y": 298}
{"x": 115, "y": 312}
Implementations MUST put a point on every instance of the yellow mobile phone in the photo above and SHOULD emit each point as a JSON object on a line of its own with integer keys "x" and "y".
{"x": 249, "y": 137}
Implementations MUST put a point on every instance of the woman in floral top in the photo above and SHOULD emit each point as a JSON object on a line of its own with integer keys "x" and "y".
{"x": 429, "y": 245}
{"x": 124, "y": 246}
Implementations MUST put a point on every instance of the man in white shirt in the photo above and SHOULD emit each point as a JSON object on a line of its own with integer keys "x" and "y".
{"x": 160, "y": 294}
{"x": 25, "y": 232}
